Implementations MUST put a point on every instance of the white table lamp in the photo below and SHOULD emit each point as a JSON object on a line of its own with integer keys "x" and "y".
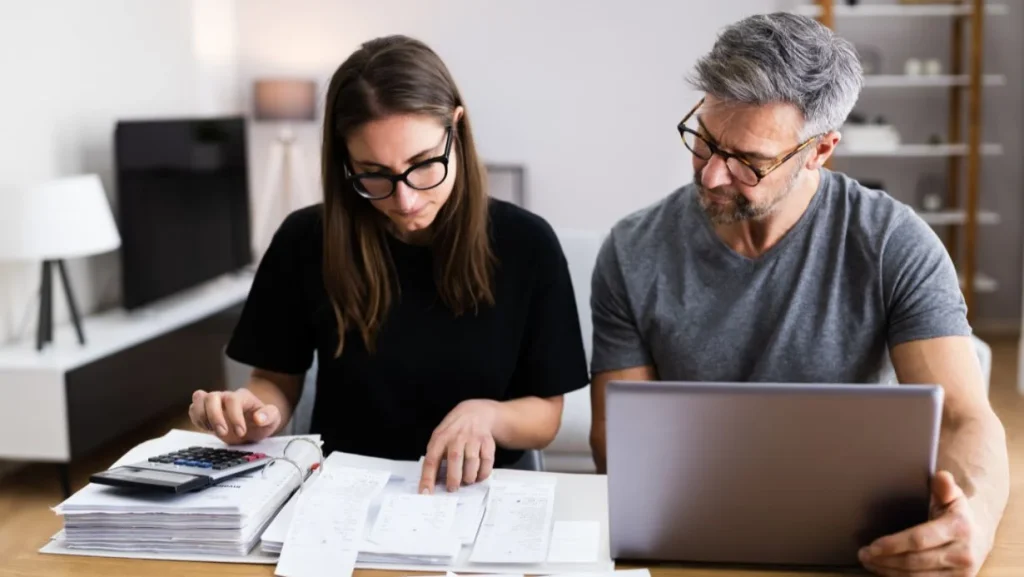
{"x": 284, "y": 101}
{"x": 61, "y": 219}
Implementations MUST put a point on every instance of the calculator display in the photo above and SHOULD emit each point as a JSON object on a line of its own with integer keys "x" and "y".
{"x": 129, "y": 473}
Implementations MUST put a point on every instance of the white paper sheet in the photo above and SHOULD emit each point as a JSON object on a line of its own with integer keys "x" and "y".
{"x": 517, "y": 525}
{"x": 324, "y": 536}
{"x": 329, "y": 522}
{"x": 349, "y": 482}
{"x": 414, "y": 517}
{"x": 574, "y": 542}
{"x": 468, "y": 516}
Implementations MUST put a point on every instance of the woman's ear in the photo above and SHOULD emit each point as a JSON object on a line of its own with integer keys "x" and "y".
{"x": 457, "y": 115}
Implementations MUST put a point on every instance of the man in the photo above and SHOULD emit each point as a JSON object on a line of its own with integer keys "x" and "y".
{"x": 769, "y": 267}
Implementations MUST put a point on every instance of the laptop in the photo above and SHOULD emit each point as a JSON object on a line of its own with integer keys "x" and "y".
{"x": 755, "y": 473}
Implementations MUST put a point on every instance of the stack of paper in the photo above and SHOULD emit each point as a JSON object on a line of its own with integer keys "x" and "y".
{"x": 401, "y": 527}
{"x": 226, "y": 519}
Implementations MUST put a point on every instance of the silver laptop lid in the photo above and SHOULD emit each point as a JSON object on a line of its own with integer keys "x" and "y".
{"x": 791, "y": 474}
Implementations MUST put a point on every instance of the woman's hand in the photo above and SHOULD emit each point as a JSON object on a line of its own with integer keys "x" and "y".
{"x": 236, "y": 416}
{"x": 466, "y": 439}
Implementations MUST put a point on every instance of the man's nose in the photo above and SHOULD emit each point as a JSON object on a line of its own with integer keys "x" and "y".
{"x": 715, "y": 173}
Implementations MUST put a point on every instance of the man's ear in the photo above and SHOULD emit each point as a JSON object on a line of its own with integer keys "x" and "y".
{"x": 823, "y": 149}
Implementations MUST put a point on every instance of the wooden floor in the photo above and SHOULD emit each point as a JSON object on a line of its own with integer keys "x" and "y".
{"x": 26, "y": 521}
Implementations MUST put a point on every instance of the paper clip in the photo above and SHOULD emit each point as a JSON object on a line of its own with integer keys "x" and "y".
{"x": 284, "y": 457}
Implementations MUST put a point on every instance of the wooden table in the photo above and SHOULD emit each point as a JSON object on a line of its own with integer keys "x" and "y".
{"x": 26, "y": 523}
{"x": 1007, "y": 559}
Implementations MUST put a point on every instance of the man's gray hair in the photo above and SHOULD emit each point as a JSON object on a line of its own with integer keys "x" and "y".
{"x": 785, "y": 58}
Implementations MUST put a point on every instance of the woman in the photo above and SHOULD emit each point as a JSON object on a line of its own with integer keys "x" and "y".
{"x": 444, "y": 321}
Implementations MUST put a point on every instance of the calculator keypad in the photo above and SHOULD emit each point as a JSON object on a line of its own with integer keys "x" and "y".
{"x": 208, "y": 458}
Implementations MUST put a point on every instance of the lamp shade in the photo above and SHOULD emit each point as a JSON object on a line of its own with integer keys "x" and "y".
{"x": 285, "y": 99}
{"x": 64, "y": 218}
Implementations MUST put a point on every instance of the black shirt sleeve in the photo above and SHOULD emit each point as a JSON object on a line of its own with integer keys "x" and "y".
{"x": 275, "y": 330}
{"x": 552, "y": 359}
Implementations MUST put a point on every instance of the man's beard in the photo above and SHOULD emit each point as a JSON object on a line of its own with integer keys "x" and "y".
{"x": 738, "y": 208}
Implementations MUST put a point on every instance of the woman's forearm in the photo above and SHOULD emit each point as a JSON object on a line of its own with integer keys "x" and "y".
{"x": 528, "y": 423}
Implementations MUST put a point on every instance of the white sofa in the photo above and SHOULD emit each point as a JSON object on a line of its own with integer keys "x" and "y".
{"x": 570, "y": 451}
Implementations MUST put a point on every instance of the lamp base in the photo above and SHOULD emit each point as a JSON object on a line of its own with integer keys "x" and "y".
{"x": 44, "y": 329}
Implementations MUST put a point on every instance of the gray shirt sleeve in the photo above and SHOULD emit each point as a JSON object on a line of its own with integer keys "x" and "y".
{"x": 618, "y": 343}
{"x": 919, "y": 282}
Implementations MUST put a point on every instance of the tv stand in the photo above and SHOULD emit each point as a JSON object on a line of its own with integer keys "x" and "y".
{"x": 69, "y": 399}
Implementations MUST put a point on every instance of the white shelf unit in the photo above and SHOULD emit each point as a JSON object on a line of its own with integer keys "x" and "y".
{"x": 957, "y": 217}
{"x": 52, "y": 393}
{"x": 901, "y": 10}
{"x": 928, "y": 80}
{"x": 920, "y": 150}
{"x": 964, "y": 82}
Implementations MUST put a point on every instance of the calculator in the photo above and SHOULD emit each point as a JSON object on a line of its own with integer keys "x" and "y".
{"x": 182, "y": 471}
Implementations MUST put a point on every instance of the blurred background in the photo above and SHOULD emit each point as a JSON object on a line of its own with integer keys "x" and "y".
{"x": 574, "y": 104}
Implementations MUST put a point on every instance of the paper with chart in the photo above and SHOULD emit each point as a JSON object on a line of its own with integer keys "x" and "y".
{"x": 329, "y": 523}
{"x": 517, "y": 525}
{"x": 575, "y": 542}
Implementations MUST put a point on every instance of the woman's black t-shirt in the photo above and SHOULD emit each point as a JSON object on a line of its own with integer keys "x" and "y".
{"x": 387, "y": 404}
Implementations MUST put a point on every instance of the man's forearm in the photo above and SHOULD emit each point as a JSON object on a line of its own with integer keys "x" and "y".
{"x": 973, "y": 449}
{"x": 528, "y": 423}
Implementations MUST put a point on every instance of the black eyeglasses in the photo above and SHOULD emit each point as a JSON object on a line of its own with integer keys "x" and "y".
{"x": 740, "y": 168}
{"x": 423, "y": 175}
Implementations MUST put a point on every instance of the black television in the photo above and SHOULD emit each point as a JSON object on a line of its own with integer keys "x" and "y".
{"x": 182, "y": 203}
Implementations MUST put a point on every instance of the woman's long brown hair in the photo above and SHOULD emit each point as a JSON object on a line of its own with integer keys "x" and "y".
{"x": 398, "y": 75}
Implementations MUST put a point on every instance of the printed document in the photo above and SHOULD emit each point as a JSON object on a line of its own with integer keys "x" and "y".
{"x": 517, "y": 525}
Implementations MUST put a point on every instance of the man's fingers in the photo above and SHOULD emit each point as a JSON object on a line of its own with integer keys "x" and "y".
{"x": 471, "y": 461}
{"x": 234, "y": 414}
{"x": 888, "y": 572}
{"x": 944, "y": 489}
{"x": 456, "y": 453}
{"x": 930, "y": 535}
{"x": 914, "y": 562}
{"x": 215, "y": 414}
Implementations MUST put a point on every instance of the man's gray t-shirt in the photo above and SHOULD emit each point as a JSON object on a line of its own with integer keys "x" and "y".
{"x": 859, "y": 273}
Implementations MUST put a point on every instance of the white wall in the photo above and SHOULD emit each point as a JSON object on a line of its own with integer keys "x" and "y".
{"x": 70, "y": 69}
{"x": 585, "y": 94}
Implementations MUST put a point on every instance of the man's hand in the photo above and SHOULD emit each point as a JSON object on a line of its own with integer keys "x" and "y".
{"x": 466, "y": 438}
{"x": 951, "y": 544}
{"x": 236, "y": 417}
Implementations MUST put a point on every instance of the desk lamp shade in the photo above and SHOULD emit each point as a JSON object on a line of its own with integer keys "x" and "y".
{"x": 65, "y": 218}
{"x": 60, "y": 219}
{"x": 285, "y": 99}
